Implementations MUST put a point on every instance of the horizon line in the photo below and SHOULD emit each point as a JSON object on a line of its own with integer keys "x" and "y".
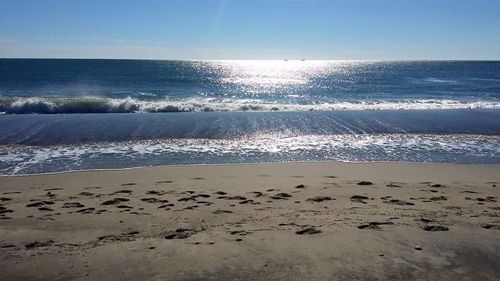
{"x": 277, "y": 59}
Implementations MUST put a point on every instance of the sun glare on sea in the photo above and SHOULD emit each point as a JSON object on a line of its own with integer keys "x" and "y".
{"x": 260, "y": 76}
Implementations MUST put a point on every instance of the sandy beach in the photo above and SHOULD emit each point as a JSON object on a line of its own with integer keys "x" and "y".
{"x": 294, "y": 221}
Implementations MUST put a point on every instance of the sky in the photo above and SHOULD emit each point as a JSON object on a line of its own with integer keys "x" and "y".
{"x": 251, "y": 29}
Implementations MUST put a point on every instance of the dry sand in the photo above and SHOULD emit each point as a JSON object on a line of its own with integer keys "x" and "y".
{"x": 296, "y": 221}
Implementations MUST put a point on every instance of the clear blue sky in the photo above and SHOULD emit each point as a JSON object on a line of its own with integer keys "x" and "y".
{"x": 251, "y": 29}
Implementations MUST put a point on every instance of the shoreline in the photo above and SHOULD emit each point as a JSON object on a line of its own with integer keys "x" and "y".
{"x": 272, "y": 221}
{"x": 253, "y": 163}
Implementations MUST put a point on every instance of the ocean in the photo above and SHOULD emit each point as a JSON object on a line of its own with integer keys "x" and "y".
{"x": 63, "y": 114}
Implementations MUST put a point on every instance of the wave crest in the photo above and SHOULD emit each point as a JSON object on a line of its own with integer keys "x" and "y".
{"x": 131, "y": 105}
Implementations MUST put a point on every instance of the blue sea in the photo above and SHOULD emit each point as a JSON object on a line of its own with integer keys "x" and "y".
{"x": 63, "y": 114}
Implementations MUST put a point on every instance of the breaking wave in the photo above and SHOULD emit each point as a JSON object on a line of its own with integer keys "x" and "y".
{"x": 132, "y": 105}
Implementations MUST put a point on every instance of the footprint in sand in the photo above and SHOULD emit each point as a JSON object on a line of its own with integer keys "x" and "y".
{"x": 320, "y": 199}
{"x": 375, "y": 225}
{"x": 4, "y": 210}
{"x": 125, "y": 191}
{"x": 365, "y": 183}
{"x": 12, "y": 192}
{"x": 239, "y": 232}
{"x": 167, "y": 181}
{"x": 154, "y": 200}
{"x": 180, "y": 233}
{"x": 166, "y": 206}
{"x": 487, "y": 199}
{"x": 124, "y": 207}
{"x": 53, "y": 189}
{"x": 359, "y": 199}
{"x": 235, "y": 197}
{"x": 39, "y": 204}
{"x": 257, "y": 194}
{"x": 398, "y": 202}
{"x": 115, "y": 201}
{"x": 308, "y": 230}
{"x": 73, "y": 205}
{"x": 38, "y": 244}
{"x": 438, "y": 198}
{"x": 491, "y": 226}
{"x": 435, "y": 228}
{"x": 220, "y": 211}
{"x": 85, "y": 193}
{"x": 156, "y": 192}
{"x": 281, "y": 196}
{"x": 86, "y": 211}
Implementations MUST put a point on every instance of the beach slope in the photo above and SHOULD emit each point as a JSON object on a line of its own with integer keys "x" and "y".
{"x": 291, "y": 221}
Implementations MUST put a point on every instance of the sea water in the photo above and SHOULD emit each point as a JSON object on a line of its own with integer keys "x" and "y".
{"x": 59, "y": 115}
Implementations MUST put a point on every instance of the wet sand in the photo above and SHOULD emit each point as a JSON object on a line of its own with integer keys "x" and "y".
{"x": 295, "y": 221}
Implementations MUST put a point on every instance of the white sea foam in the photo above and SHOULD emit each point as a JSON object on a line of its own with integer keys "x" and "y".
{"x": 255, "y": 148}
{"x": 207, "y": 104}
